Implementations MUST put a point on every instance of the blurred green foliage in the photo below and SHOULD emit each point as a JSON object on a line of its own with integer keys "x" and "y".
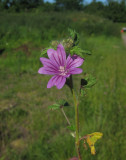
{"x": 114, "y": 11}
{"x": 19, "y": 28}
{"x": 110, "y": 9}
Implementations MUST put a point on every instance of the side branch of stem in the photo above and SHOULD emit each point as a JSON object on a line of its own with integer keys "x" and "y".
{"x": 65, "y": 116}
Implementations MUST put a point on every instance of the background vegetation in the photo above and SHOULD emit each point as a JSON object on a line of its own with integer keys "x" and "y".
{"x": 114, "y": 10}
{"x": 28, "y": 129}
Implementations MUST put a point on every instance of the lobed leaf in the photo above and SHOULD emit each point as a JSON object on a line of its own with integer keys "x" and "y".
{"x": 74, "y": 35}
{"x": 52, "y": 46}
{"x": 78, "y": 51}
{"x": 87, "y": 83}
{"x": 91, "y": 140}
{"x": 91, "y": 81}
{"x": 44, "y": 52}
{"x": 63, "y": 102}
{"x": 82, "y": 92}
{"x": 86, "y": 52}
{"x": 54, "y": 106}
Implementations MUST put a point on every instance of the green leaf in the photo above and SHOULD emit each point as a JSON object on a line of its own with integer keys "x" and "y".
{"x": 83, "y": 92}
{"x": 91, "y": 81}
{"x": 44, "y": 52}
{"x": 74, "y": 35}
{"x": 86, "y": 52}
{"x": 88, "y": 82}
{"x": 54, "y": 106}
{"x": 71, "y": 128}
{"x": 59, "y": 104}
{"x": 78, "y": 51}
{"x": 63, "y": 102}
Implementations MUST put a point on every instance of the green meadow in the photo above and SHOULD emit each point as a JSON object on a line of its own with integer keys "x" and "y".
{"x": 28, "y": 129}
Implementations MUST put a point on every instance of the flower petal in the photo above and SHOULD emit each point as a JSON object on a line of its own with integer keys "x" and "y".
{"x": 47, "y": 63}
{"x": 56, "y": 80}
{"x": 52, "y": 81}
{"x": 78, "y": 61}
{"x": 50, "y": 52}
{"x": 74, "y": 61}
{"x": 69, "y": 60}
{"x": 57, "y": 57}
{"x": 53, "y": 56}
{"x": 75, "y": 71}
{"x": 60, "y": 82}
{"x": 61, "y": 54}
{"x": 47, "y": 70}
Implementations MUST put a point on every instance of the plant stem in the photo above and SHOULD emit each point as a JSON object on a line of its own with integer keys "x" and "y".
{"x": 77, "y": 142}
{"x": 65, "y": 116}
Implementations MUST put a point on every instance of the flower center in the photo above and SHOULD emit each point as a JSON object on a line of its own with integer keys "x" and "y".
{"x": 63, "y": 70}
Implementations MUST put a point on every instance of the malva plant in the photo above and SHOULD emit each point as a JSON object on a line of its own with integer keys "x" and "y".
{"x": 63, "y": 59}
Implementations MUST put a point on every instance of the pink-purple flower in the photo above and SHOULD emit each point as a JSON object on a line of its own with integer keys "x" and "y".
{"x": 60, "y": 66}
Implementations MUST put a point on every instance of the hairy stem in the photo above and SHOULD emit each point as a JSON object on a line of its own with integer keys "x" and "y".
{"x": 77, "y": 142}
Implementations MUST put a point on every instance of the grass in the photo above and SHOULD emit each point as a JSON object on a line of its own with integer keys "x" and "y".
{"x": 28, "y": 129}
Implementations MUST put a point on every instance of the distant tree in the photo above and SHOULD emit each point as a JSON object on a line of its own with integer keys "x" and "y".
{"x": 6, "y": 4}
{"x": 48, "y": 7}
{"x": 123, "y": 2}
{"x": 69, "y": 4}
{"x": 28, "y": 4}
{"x": 94, "y": 8}
{"x": 116, "y": 11}
{"x": 20, "y": 4}
{"x": 1, "y": 3}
